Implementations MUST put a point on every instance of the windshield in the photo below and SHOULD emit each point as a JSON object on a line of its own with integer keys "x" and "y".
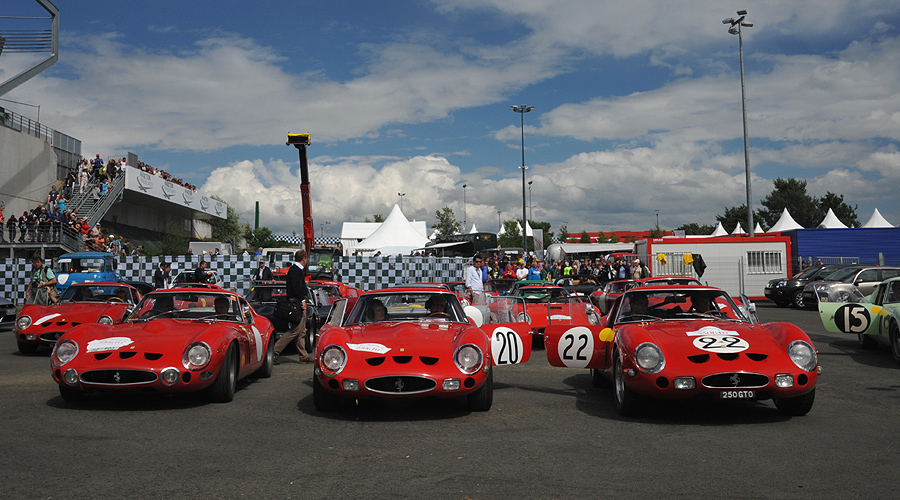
{"x": 843, "y": 275}
{"x": 619, "y": 286}
{"x": 266, "y": 293}
{"x": 671, "y": 281}
{"x": 86, "y": 265}
{"x": 189, "y": 306}
{"x": 321, "y": 260}
{"x": 98, "y": 293}
{"x": 407, "y": 306}
{"x": 534, "y": 294}
{"x": 665, "y": 305}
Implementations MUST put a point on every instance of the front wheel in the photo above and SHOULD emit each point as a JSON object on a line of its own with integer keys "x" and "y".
{"x": 796, "y": 406}
{"x": 222, "y": 390}
{"x": 483, "y": 398}
{"x": 310, "y": 338}
{"x": 797, "y": 299}
{"x": 323, "y": 399}
{"x": 895, "y": 342}
{"x": 71, "y": 395}
{"x": 627, "y": 402}
{"x": 265, "y": 371}
{"x": 26, "y": 348}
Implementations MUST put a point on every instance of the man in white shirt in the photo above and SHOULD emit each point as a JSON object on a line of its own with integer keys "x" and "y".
{"x": 473, "y": 281}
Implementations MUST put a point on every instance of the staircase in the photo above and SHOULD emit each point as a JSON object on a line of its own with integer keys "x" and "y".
{"x": 93, "y": 209}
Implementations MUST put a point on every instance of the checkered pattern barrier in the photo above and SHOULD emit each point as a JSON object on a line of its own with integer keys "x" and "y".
{"x": 298, "y": 240}
{"x": 366, "y": 273}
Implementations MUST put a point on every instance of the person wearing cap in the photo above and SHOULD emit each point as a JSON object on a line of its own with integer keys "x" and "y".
{"x": 263, "y": 273}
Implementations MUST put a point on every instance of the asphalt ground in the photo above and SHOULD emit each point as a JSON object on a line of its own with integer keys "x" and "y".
{"x": 549, "y": 434}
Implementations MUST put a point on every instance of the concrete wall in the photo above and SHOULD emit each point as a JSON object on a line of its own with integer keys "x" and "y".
{"x": 27, "y": 169}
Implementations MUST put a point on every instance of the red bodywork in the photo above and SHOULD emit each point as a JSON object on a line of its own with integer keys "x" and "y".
{"x": 48, "y": 323}
{"x": 727, "y": 356}
{"x": 553, "y": 305}
{"x": 411, "y": 354}
{"x": 130, "y": 357}
{"x": 606, "y": 296}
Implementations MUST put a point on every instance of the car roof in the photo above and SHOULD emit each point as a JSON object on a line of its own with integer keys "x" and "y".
{"x": 410, "y": 289}
{"x": 671, "y": 287}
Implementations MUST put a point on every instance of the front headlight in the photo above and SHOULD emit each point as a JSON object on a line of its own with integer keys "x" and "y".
{"x": 649, "y": 358}
{"x": 468, "y": 358}
{"x": 65, "y": 351}
{"x": 105, "y": 320}
{"x": 781, "y": 283}
{"x": 333, "y": 360}
{"x": 196, "y": 356}
{"x": 803, "y": 355}
{"x": 23, "y": 322}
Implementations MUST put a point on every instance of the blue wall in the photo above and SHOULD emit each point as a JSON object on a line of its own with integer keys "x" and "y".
{"x": 864, "y": 243}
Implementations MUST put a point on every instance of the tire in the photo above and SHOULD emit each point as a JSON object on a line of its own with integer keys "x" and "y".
{"x": 797, "y": 299}
{"x": 597, "y": 379}
{"x": 323, "y": 399}
{"x": 895, "y": 342}
{"x": 867, "y": 342}
{"x": 797, "y": 406}
{"x": 483, "y": 398}
{"x": 222, "y": 390}
{"x": 310, "y": 338}
{"x": 71, "y": 395}
{"x": 627, "y": 402}
{"x": 265, "y": 371}
{"x": 27, "y": 349}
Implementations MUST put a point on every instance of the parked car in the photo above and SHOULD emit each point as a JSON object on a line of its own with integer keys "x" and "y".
{"x": 106, "y": 303}
{"x": 864, "y": 278}
{"x": 85, "y": 267}
{"x": 7, "y": 312}
{"x": 874, "y": 319}
{"x": 690, "y": 342}
{"x": 263, "y": 296}
{"x": 175, "y": 340}
{"x": 188, "y": 277}
{"x": 785, "y": 291}
{"x": 606, "y": 297}
{"x": 410, "y": 343}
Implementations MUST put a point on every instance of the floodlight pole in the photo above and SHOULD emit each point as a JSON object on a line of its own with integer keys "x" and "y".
{"x": 735, "y": 29}
{"x": 522, "y": 109}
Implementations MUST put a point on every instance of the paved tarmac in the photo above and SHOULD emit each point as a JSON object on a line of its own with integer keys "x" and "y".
{"x": 549, "y": 435}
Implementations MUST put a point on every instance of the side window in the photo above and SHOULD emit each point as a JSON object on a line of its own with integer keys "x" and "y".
{"x": 867, "y": 276}
{"x": 879, "y": 294}
{"x": 893, "y": 293}
{"x": 245, "y": 311}
{"x": 890, "y": 273}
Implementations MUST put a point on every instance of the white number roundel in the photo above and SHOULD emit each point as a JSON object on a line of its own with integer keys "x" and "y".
{"x": 576, "y": 347}
{"x": 506, "y": 346}
{"x": 721, "y": 344}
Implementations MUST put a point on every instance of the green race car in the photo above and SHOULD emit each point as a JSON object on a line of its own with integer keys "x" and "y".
{"x": 874, "y": 318}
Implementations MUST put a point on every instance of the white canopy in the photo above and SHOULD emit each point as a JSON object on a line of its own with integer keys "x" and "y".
{"x": 758, "y": 229}
{"x": 738, "y": 230}
{"x": 395, "y": 236}
{"x": 785, "y": 223}
{"x": 474, "y": 229}
{"x": 876, "y": 220}
{"x": 719, "y": 231}
{"x": 831, "y": 221}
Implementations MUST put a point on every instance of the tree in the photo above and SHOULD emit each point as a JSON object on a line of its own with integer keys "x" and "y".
{"x": 656, "y": 232}
{"x": 585, "y": 237}
{"x": 843, "y": 211}
{"x": 446, "y": 222}
{"x": 378, "y": 218}
{"x": 738, "y": 215}
{"x": 692, "y": 228}
{"x": 261, "y": 237}
{"x": 613, "y": 237}
{"x": 512, "y": 235}
{"x": 563, "y": 233}
{"x": 790, "y": 194}
{"x": 174, "y": 243}
{"x": 545, "y": 226}
{"x": 230, "y": 229}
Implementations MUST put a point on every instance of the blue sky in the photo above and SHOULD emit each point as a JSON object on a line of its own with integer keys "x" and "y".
{"x": 637, "y": 104}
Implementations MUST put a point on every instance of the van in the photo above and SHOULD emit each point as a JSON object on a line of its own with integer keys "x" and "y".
{"x": 86, "y": 267}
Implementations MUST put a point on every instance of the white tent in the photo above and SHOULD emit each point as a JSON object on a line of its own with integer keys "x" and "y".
{"x": 474, "y": 229}
{"x": 395, "y": 236}
{"x": 738, "y": 230}
{"x": 876, "y": 220}
{"x": 785, "y": 223}
{"x": 758, "y": 229}
{"x": 831, "y": 221}
{"x": 719, "y": 231}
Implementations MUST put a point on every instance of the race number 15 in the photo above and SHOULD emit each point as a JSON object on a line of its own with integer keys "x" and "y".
{"x": 852, "y": 318}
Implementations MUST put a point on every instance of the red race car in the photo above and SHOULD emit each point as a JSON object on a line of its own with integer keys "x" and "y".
{"x": 553, "y": 305}
{"x": 690, "y": 342}
{"x": 413, "y": 343}
{"x": 176, "y": 340}
{"x": 606, "y": 296}
{"x": 106, "y": 303}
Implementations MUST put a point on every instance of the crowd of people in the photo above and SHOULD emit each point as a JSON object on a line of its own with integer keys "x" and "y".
{"x": 524, "y": 267}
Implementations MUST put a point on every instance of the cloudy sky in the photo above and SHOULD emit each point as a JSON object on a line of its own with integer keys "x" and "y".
{"x": 637, "y": 105}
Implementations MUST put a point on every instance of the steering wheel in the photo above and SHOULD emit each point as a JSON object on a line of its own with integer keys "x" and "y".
{"x": 439, "y": 314}
{"x": 116, "y": 299}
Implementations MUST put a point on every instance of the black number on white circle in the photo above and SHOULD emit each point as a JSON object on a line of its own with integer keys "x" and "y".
{"x": 575, "y": 346}
{"x": 509, "y": 347}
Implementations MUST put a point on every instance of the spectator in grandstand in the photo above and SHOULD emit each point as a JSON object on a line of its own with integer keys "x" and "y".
{"x": 52, "y": 196}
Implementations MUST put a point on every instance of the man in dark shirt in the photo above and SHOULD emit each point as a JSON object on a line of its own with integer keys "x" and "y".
{"x": 161, "y": 275}
{"x": 201, "y": 275}
{"x": 263, "y": 273}
{"x": 296, "y": 290}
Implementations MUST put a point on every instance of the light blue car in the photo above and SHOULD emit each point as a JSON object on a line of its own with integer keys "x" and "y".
{"x": 86, "y": 267}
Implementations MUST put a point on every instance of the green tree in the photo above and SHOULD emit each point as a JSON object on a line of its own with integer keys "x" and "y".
{"x": 545, "y": 226}
{"x": 174, "y": 243}
{"x": 738, "y": 215}
{"x": 613, "y": 237}
{"x": 377, "y": 218}
{"x": 261, "y": 237}
{"x": 230, "y": 229}
{"x": 446, "y": 222}
{"x": 563, "y": 233}
{"x": 843, "y": 211}
{"x": 656, "y": 232}
{"x": 692, "y": 228}
{"x": 512, "y": 235}
{"x": 585, "y": 237}
{"x": 790, "y": 194}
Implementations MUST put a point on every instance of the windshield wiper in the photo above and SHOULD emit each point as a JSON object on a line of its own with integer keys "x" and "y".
{"x": 639, "y": 317}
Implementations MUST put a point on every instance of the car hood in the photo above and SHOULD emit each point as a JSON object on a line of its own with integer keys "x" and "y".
{"x": 68, "y": 311}
{"x": 669, "y": 331}
{"x": 161, "y": 335}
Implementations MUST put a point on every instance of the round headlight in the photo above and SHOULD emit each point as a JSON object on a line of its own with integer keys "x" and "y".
{"x": 468, "y": 358}
{"x": 649, "y": 358}
{"x": 105, "y": 320}
{"x": 23, "y": 322}
{"x": 333, "y": 359}
{"x": 65, "y": 351}
{"x": 196, "y": 356}
{"x": 803, "y": 355}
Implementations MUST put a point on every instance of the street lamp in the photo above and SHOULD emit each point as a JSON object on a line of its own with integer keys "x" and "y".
{"x": 530, "y": 210}
{"x": 465, "y": 228}
{"x": 657, "y": 218}
{"x": 522, "y": 109}
{"x": 499, "y": 222}
{"x": 735, "y": 29}
{"x": 401, "y": 195}
{"x": 322, "y": 229}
